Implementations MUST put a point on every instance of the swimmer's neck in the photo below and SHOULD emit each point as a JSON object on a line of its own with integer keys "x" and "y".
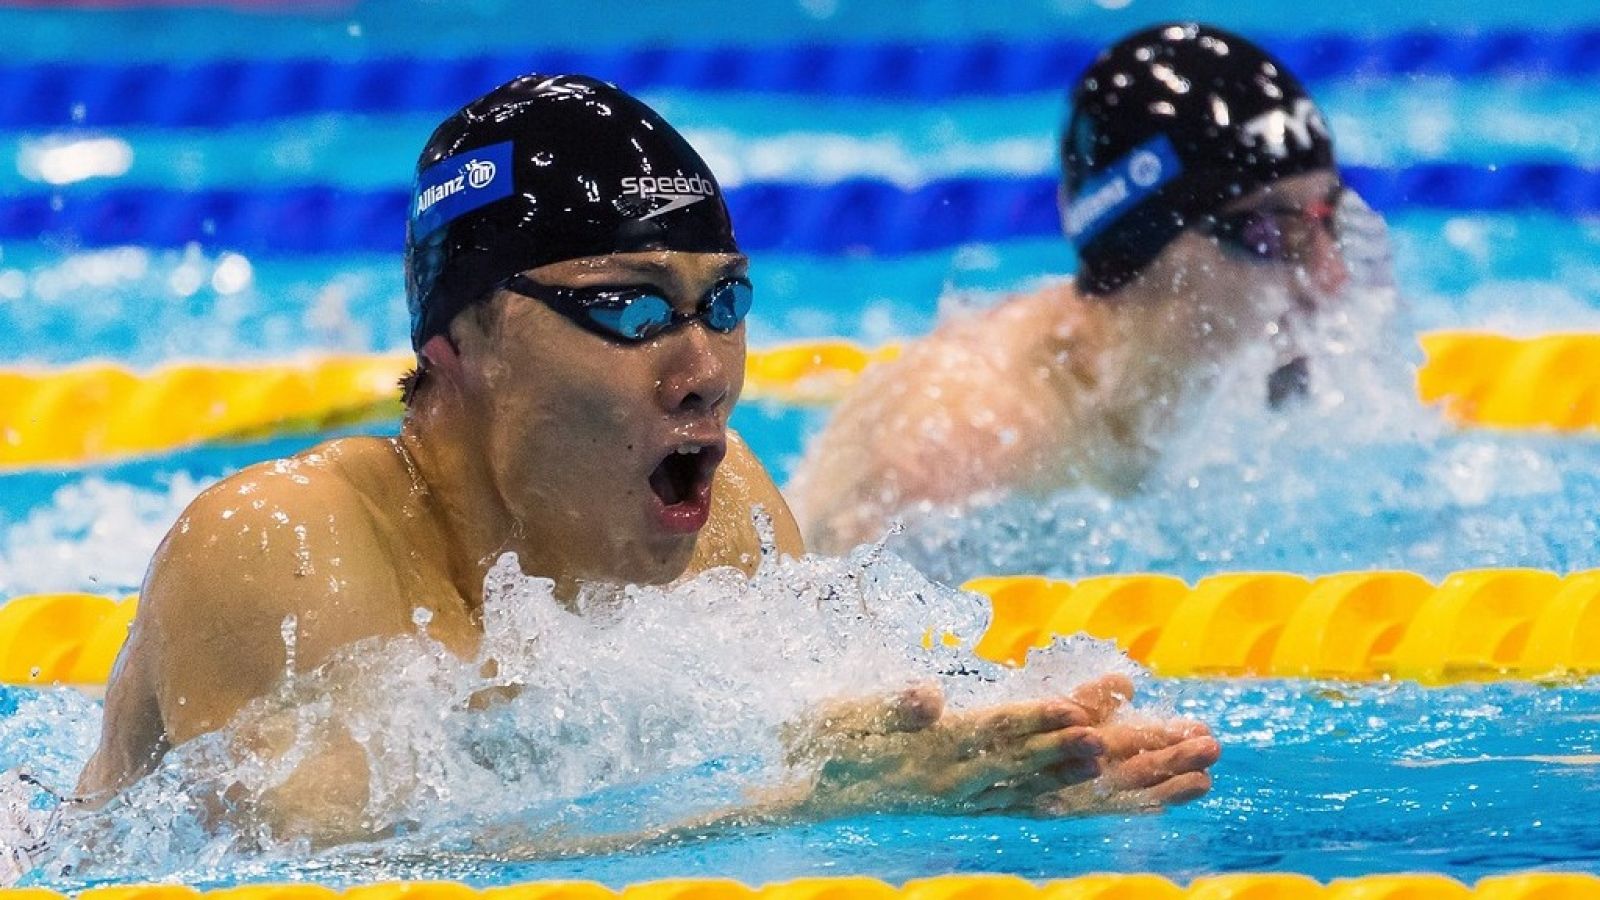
{"x": 466, "y": 518}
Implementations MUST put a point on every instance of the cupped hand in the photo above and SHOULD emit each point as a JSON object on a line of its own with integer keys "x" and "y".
{"x": 1057, "y": 756}
{"x": 1148, "y": 764}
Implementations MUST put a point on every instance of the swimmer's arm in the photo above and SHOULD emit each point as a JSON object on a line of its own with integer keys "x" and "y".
{"x": 763, "y": 492}
{"x": 1071, "y": 755}
{"x": 730, "y": 538}
{"x": 132, "y": 735}
{"x": 926, "y": 451}
{"x": 224, "y": 589}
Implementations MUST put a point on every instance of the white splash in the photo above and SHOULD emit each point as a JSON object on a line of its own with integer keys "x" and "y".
{"x": 636, "y": 709}
{"x": 1357, "y": 474}
{"x": 95, "y": 535}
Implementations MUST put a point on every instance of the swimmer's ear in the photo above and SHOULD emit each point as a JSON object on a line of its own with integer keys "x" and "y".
{"x": 441, "y": 353}
{"x": 441, "y": 357}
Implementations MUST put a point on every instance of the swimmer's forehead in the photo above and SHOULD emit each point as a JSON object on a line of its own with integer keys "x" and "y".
{"x": 645, "y": 265}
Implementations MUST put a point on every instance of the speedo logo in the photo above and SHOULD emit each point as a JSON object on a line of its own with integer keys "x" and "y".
{"x": 677, "y": 190}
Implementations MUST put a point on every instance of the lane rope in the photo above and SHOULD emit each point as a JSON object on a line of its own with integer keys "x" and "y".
{"x": 1475, "y": 625}
{"x": 225, "y": 92}
{"x": 102, "y": 410}
{"x": 847, "y": 217}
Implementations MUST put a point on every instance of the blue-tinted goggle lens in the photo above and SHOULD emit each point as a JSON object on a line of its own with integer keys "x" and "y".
{"x": 727, "y": 305}
{"x": 634, "y": 318}
{"x": 639, "y": 314}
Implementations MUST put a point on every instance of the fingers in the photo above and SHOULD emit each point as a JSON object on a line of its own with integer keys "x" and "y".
{"x": 1092, "y": 798}
{"x": 1128, "y": 739}
{"x": 841, "y": 730}
{"x": 1103, "y": 696}
{"x": 1044, "y": 750}
{"x": 1000, "y": 727}
{"x": 1016, "y": 777}
{"x": 912, "y": 709}
{"x": 1147, "y": 770}
{"x": 1178, "y": 791}
{"x": 1027, "y": 793}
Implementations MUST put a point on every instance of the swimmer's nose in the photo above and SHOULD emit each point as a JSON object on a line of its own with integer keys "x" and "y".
{"x": 1326, "y": 268}
{"x": 697, "y": 378}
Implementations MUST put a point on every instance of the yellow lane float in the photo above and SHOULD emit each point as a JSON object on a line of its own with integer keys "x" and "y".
{"x": 1476, "y": 625}
{"x": 1480, "y": 624}
{"x": 100, "y": 410}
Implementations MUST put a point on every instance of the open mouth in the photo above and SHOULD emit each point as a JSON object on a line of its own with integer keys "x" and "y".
{"x": 682, "y": 484}
{"x": 1288, "y": 383}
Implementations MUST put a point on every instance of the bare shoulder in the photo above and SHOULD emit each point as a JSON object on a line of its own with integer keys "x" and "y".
{"x": 957, "y": 412}
{"x": 285, "y": 547}
{"x": 730, "y": 538}
{"x": 978, "y": 359}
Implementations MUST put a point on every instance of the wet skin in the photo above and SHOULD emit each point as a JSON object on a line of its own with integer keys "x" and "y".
{"x": 1049, "y": 390}
{"x": 533, "y": 435}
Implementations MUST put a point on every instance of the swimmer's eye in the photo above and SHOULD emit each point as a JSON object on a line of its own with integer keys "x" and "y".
{"x": 1277, "y": 235}
{"x": 632, "y": 314}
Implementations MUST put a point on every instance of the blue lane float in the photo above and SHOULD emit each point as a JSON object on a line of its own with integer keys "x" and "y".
{"x": 229, "y": 92}
{"x": 843, "y": 217}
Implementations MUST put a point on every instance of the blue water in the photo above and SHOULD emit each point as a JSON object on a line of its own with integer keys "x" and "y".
{"x": 761, "y": 138}
{"x": 340, "y": 29}
{"x": 1327, "y": 780}
{"x": 1522, "y": 274}
{"x": 1322, "y": 779}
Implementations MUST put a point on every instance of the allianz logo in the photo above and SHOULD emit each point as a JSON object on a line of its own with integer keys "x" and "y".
{"x": 474, "y": 174}
{"x": 1142, "y": 167}
{"x": 1083, "y": 213}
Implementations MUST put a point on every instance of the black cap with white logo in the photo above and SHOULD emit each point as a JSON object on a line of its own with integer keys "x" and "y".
{"x": 1170, "y": 124}
{"x": 544, "y": 169}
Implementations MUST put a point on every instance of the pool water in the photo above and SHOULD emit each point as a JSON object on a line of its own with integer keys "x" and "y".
{"x": 1325, "y": 779}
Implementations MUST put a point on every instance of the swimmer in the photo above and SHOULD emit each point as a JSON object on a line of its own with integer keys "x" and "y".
{"x": 1199, "y": 189}
{"x": 577, "y": 299}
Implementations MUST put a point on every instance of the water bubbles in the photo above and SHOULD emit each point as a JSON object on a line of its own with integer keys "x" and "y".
{"x": 288, "y": 631}
{"x": 186, "y": 279}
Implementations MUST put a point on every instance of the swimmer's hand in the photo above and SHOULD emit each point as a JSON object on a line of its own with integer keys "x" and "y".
{"x": 1061, "y": 756}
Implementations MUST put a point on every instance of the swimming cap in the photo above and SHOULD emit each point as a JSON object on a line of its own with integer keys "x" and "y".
{"x": 1166, "y": 126}
{"x": 544, "y": 169}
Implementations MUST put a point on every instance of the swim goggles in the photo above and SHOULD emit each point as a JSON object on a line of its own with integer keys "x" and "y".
{"x": 631, "y": 315}
{"x": 1277, "y": 234}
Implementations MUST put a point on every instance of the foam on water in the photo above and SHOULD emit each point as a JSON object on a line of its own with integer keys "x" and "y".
{"x": 634, "y": 711}
{"x": 95, "y": 535}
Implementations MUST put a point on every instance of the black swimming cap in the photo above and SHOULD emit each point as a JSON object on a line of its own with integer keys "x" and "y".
{"x": 544, "y": 169}
{"x": 1166, "y": 126}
